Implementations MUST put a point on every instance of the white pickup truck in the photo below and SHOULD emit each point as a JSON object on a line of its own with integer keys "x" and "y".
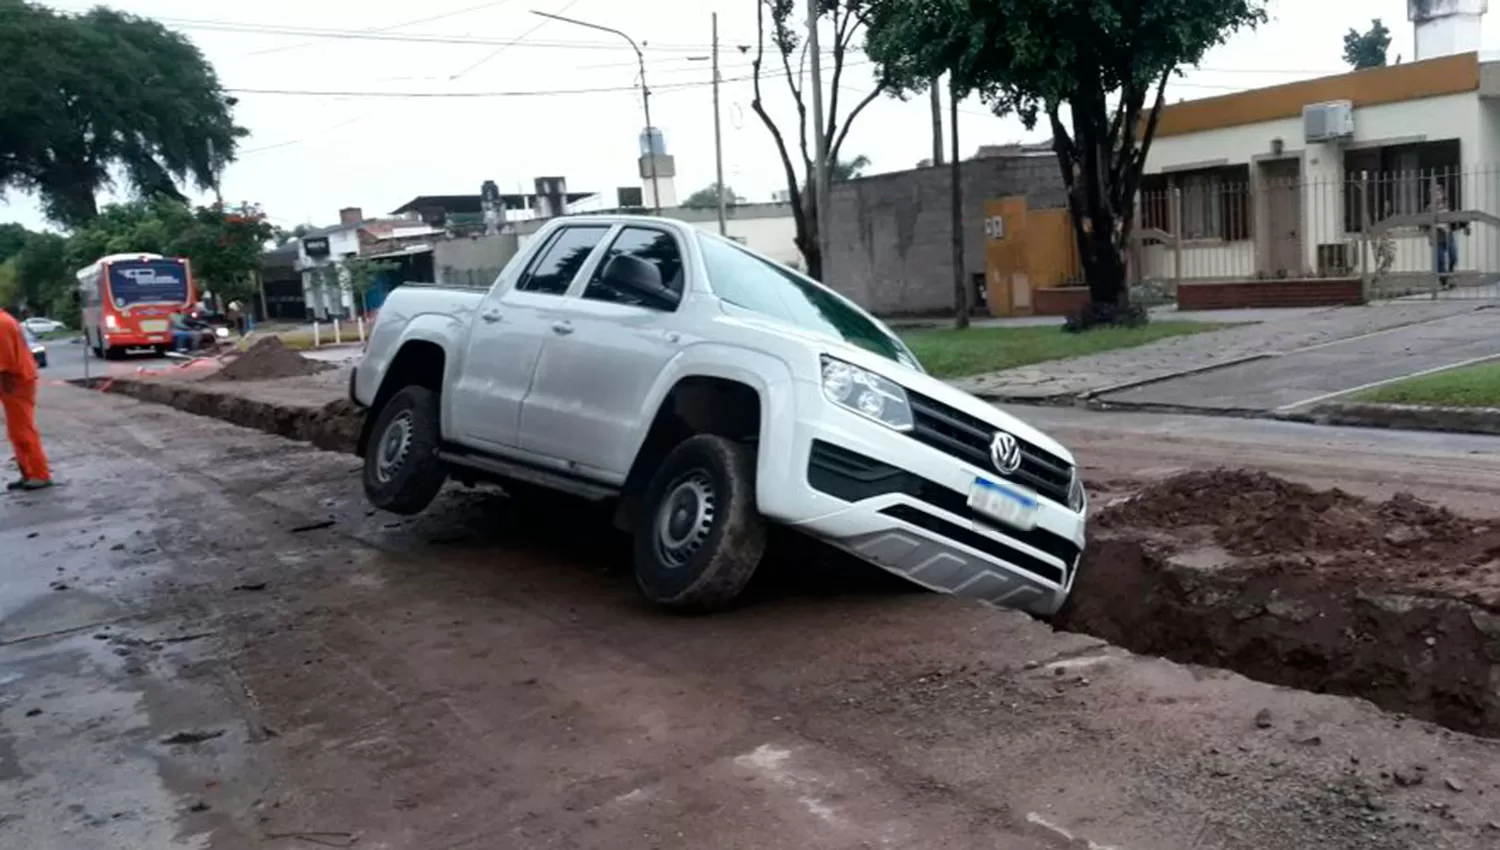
{"x": 709, "y": 391}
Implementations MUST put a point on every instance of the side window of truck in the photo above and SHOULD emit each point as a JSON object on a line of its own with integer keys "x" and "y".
{"x": 657, "y": 247}
{"x": 558, "y": 263}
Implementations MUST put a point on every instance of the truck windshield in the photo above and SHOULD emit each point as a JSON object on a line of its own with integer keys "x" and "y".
{"x": 747, "y": 281}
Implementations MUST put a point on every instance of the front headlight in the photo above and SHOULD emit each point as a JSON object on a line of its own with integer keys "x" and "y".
{"x": 866, "y": 393}
{"x": 221, "y": 333}
{"x": 1078, "y": 497}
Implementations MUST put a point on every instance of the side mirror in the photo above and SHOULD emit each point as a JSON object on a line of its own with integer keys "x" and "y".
{"x": 77, "y": 297}
{"x": 636, "y": 278}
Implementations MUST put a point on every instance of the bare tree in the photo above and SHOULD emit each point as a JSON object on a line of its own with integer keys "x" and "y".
{"x": 848, "y": 18}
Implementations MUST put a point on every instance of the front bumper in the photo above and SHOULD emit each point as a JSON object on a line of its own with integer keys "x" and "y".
{"x": 903, "y": 506}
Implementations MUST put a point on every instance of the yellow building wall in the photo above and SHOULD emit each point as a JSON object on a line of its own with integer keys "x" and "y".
{"x": 1025, "y": 250}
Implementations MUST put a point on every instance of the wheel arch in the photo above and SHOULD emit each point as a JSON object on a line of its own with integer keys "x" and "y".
{"x": 419, "y": 362}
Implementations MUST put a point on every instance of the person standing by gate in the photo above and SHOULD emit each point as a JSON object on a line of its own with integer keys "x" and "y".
{"x": 18, "y": 398}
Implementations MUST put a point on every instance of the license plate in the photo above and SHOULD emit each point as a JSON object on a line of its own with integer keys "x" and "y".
{"x": 1009, "y": 505}
{"x": 153, "y": 326}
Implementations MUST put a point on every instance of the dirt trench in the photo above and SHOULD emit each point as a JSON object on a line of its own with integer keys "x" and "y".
{"x": 1394, "y": 601}
{"x": 1397, "y": 602}
{"x": 334, "y": 426}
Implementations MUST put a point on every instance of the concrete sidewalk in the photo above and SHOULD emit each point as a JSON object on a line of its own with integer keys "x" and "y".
{"x": 1083, "y": 376}
{"x": 1304, "y": 378}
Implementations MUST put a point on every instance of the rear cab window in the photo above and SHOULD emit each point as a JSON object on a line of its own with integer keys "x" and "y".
{"x": 552, "y": 270}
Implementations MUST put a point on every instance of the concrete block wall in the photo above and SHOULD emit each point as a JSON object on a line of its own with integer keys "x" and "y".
{"x": 473, "y": 260}
{"x": 889, "y": 235}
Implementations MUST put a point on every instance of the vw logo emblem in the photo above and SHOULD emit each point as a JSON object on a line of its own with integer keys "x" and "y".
{"x": 1005, "y": 452}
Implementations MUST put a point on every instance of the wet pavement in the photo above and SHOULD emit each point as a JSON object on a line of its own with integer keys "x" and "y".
{"x": 1308, "y": 376}
{"x": 207, "y": 640}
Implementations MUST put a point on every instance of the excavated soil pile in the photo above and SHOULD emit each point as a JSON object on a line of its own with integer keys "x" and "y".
{"x": 1393, "y": 601}
{"x": 267, "y": 360}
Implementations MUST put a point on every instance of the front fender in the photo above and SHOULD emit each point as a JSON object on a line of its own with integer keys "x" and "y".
{"x": 768, "y": 375}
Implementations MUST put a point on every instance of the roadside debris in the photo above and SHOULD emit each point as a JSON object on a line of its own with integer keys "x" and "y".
{"x": 314, "y": 526}
{"x": 196, "y": 736}
{"x": 267, "y": 360}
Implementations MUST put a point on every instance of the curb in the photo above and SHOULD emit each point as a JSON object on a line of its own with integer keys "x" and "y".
{"x": 1409, "y": 417}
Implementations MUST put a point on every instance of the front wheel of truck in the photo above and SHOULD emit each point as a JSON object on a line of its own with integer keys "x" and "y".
{"x": 699, "y": 537}
{"x": 403, "y": 472}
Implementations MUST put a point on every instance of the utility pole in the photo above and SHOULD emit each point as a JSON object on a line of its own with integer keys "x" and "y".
{"x": 937, "y": 122}
{"x": 962, "y": 291}
{"x": 718, "y": 133}
{"x": 645, "y": 97}
{"x": 820, "y": 134}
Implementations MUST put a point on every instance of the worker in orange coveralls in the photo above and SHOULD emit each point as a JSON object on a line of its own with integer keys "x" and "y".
{"x": 18, "y": 397}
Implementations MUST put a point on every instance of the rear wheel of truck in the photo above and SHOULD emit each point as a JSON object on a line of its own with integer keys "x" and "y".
{"x": 403, "y": 472}
{"x": 699, "y": 537}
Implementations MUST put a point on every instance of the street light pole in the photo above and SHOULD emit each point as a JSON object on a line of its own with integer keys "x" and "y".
{"x": 718, "y": 133}
{"x": 645, "y": 96}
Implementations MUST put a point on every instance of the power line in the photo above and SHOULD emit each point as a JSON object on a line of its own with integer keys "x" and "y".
{"x": 512, "y": 43}
{"x": 424, "y": 20}
{"x": 398, "y": 95}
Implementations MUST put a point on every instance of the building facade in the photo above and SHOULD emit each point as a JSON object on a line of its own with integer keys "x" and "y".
{"x": 1322, "y": 178}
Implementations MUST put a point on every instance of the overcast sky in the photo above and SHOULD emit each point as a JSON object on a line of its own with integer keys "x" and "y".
{"x": 307, "y": 156}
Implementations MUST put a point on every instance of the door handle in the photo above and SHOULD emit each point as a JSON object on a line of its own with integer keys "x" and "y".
{"x": 562, "y": 328}
{"x": 491, "y": 316}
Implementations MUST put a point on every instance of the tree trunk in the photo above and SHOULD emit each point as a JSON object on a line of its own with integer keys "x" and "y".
{"x": 937, "y": 123}
{"x": 808, "y": 241}
{"x": 962, "y": 300}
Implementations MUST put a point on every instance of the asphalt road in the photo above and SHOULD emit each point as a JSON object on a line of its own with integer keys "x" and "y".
{"x": 207, "y": 640}
{"x": 70, "y": 359}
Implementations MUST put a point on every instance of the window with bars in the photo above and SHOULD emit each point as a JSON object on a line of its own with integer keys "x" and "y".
{"x": 1398, "y": 180}
{"x": 1215, "y": 202}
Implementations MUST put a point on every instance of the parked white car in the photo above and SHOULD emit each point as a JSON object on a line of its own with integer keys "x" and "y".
{"x": 39, "y": 325}
{"x": 711, "y": 391}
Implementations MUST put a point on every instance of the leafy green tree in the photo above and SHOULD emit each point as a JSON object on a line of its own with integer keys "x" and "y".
{"x": 1097, "y": 70}
{"x": 223, "y": 244}
{"x": 82, "y": 96}
{"x": 12, "y": 240}
{"x": 1367, "y": 49}
{"x": 10, "y": 286}
{"x": 848, "y": 169}
{"x": 47, "y": 280}
{"x": 361, "y": 275}
{"x": 707, "y": 198}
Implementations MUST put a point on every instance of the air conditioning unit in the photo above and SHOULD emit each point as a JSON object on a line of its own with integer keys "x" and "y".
{"x": 1328, "y": 122}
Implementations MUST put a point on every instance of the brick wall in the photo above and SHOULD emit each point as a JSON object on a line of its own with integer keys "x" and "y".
{"x": 1059, "y": 300}
{"x": 1315, "y": 292}
{"x": 889, "y": 235}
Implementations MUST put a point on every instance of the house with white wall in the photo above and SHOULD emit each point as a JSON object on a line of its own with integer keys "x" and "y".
{"x": 354, "y": 236}
{"x": 1293, "y": 181}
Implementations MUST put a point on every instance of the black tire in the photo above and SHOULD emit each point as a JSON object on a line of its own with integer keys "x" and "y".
{"x": 403, "y": 472}
{"x": 692, "y": 562}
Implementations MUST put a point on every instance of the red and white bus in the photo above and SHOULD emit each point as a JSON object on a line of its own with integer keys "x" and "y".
{"x": 128, "y": 300}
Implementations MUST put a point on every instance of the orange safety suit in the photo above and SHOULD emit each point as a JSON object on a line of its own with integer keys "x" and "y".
{"x": 18, "y": 397}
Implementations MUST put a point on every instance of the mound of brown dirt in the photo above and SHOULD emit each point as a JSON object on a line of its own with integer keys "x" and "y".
{"x": 267, "y": 360}
{"x": 1252, "y": 513}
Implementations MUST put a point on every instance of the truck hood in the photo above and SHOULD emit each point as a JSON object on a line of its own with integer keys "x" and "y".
{"x": 911, "y": 379}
